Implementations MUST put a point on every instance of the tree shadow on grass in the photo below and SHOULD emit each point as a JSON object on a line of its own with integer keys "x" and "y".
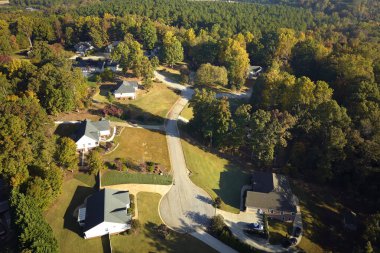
{"x": 135, "y": 114}
{"x": 70, "y": 222}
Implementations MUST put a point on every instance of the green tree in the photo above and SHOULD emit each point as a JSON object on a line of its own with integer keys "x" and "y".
{"x": 269, "y": 131}
{"x": 35, "y": 235}
{"x": 39, "y": 190}
{"x": 95, "y": 161}
{"x": 148, "y": 34}
{"x": 236, "y": 60}
{"x": 66, "y": 155}
{"x": 210, "y": 75}
{"x": 172, "y": 50}
{"x": 15, "y": 150}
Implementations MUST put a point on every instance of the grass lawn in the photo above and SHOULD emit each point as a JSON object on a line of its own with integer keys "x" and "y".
{"x": 278, "y": 230}
{"x": 113, "y": 177}
{"x": 140, "y": 145}
{"x": 64, "y": 224}
{"x": 322, "y": 223}
{"x": 187, "y": 112}
{"x": 148, "y": 240}
{"x": 150, "y": 107}
{"x": 217, "y": 176}
{"x": 170, "y": 73}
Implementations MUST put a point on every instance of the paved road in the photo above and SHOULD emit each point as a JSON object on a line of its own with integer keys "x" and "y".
{"x": 185, "y": 207}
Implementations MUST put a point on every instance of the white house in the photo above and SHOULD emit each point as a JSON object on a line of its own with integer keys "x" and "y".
{"x": 254, "y": 71}
{"x": 127, "y": 89}
{"x": 90, "y": 133}
{"x": 105, "y": 212}
{"x": 83, "y": 47}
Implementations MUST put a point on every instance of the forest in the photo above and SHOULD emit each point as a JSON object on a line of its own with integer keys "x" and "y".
{"x": 314, "y": 112}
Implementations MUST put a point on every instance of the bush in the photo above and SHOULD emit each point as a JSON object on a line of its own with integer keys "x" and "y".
{"x": 163, "y": 231}
{"x": 217, "y": 225}
{"x": 135, "y": 227}
{"x": 112, "y": 111}
{"x": 217, "y": 202}
{"x": 131, "y": 209}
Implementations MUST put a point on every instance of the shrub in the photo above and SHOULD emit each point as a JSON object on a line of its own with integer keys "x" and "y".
{"x": 217, "y": 202}
{"x": 163, "y": 231}
{"x": 217, "y": 225}
{"x": 135, "y": 227}
{"x": 112, "y": 111}
{"x": 131, "y": 209}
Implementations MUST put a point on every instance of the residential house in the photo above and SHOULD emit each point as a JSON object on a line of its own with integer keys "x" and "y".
{"x": 113, "y": 66}
{"x": 90, "y": 67}
{"x": 126, "y": 89}
{"x": 111, "y": 47}
{"x": 271, "y": 194}
{"x": 91, "y": 133}
{"x": 82, "y": 48}
{"x": 105, "y": 212}
{"x": 254, "y": 71}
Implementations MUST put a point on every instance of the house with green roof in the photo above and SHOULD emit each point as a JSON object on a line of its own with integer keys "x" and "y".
{"x": 105, "y": 212}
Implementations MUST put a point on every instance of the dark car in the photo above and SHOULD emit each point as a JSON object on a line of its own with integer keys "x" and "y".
{"x": 297, "y": 231}
{"x": 289, "y": 242}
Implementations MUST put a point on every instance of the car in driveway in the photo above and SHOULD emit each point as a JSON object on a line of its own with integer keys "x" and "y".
{"x": 297, "y": 232}
{"x": 256, "y": 226}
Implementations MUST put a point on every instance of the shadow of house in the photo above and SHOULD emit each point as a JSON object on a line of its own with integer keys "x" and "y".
{"x": 70, "y": 220}
{"x": 232, "y": 179}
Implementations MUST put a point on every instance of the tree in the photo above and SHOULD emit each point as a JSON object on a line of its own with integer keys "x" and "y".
{"x": 210, "y": 75}
{"x": 40, "y": 190}
{"x": 235, "y": 58}
{"x": 95, "y": 161}
{"x": 148, "y": 34}
{"x": 35, "y": 234}
{"x": 66, "y": 155}
{"x": 172, "y": 50}
{"x": 307, "y": 58}
{"x": 217, "y": 224}
{"x": 15, "y": 150}
{"x": 269, "y": 131}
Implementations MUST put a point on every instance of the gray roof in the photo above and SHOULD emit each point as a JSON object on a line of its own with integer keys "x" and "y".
{"x": 270, "y": 191}
{"x": 107, "y": 205}
{"x": 91, "y": 129}
{"x": 127, "y": 87}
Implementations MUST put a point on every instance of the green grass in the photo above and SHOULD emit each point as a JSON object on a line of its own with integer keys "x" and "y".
{"x": 140, "y": 145}
{"x": 172, "y": 74}
{"x": 64, "y": 224}
{"x": 322, "y": 223}
{"x": 278, "y": 230}
{"x": 217, "y": 176}
{"x": 86, "y": 178}
{"x": 148, "y": 240}
{"x": 115, "y": 177}
{"x": 187, "y": 112}
{"x": 150, "y": 107}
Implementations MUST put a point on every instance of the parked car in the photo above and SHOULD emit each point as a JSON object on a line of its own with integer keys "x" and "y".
{"x": 256, "y": 226}
{"x": 297, "y": 231}
{"x": 286, "y": 243}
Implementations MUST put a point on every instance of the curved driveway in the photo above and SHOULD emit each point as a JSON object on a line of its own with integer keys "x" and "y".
{"x": 185, "y": 207}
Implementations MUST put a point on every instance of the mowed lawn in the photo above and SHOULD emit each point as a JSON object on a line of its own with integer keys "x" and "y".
{"x": 187, "y": 112}
{"x": 65, "y": 226}
{"x": 148, "y": 239}
{"x": 141, "y": 145}
{"x": 217, "y": 176}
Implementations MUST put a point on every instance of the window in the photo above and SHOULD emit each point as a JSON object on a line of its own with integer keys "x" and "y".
{"x": 282, "y": 212}
{"x": 271, "y": 210}
{"x": 97, "y": 143}
{"x": 89, "y": 143}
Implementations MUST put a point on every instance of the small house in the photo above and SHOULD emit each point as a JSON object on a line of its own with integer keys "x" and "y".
{"x": 254, "y": 71}
{"x": 91, "y": 133}
{"x": 82, "y": 48}
{"x": 111, "y": 47}
{"x": 270, "y": 194}
{"x": 126, "y": 89}
{"x": 105, "y": 212}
